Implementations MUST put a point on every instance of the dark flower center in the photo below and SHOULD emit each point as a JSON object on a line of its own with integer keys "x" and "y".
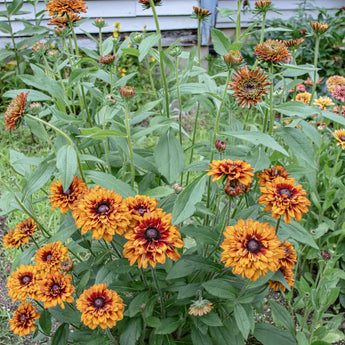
{"x": 68, "y": 191}
{"x": 48, "y": 256}
{"x": 22, "y": 317}
{"x": 103, "y": 208}
{"x": 286, "y": 191}
{"x": 342, "y": 138}
{"x": 152, "y": 234}
{"x": 254, "y": 246}
{"x": 56, "y": 288}
{"x": 26, "y": 279}
{"x": 141, "y": 210}
{"x": 99, "y": 302}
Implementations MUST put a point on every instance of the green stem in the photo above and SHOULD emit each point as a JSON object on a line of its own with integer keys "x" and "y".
{"x": 65, "y": 136}
{"x": 179, "y": 100}
{"x": 100, "y": 42}
{"x": 36, "y": 244}
{"x": 128, "y": 130}
{"x": 238, "y": 21}
{"x": 262, "y": 36}
{"x": 199, "y": 42}
{"x": 115, "y": 249}
{"x": 161, "y": 62}
{"x": 317, "y": 45}
{"x": 105, "y": 143}
{"x": 152, "y": 82}
{"x": 154, "y": 276}
{"x": 278, "y": 223}
{"x": 63, "y": 86}
{"x": 48, "y": 139}
{"x": 271, "y": 101}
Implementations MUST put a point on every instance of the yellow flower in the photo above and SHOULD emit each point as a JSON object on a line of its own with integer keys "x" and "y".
{"x": 323, "y": 102}
{"x": 339, "y": 134}
{"x": 303, "y": 97}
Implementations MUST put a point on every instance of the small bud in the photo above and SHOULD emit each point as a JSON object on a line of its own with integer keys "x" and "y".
{"x": 200, "y": 13}
{"x": 325, "y": 254}
{"x": 293, "y": 43}
{"x": 127, "y": 91}
{"x": 220, "y": 145}
{"x": 233, "y": 58}
{"x": 107, "y": 59}
{"x": 319, "y": 27}
{"x": 263, "y": 5}
{"x": 137, "y": 38}
{"x": 176, "y": 51}
{"x": 39, "y": 48}
{"x": 99, "y": 22}
{"x": 60, "y": 30}
{"x": 35, "y": 106}
{"x": 53, "y": 54}
{"x": 143, "y": 306}
{"x": 178, "y": 188}
{"x": 111, "y": 98}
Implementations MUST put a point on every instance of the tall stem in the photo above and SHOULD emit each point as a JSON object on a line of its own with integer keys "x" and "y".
{"x": 261, "y": 36}
{"x": 179, "y": 100}
{"x": 128, "y": 130}
{"x": 238, "y": 21}
{"x": 271, "y": 101}
{"x": 199, "y": 42}
{"x": 159, "y": 291}
{"x": 161, "y": 62}
{"x": 100, "y": 42}
{"x": 317, "y": 45}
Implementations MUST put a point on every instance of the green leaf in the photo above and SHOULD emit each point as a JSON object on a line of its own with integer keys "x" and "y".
{"x": 302, "y": 339}
{"x": 222, "y": 335}
{"x": 98, "y": 133}
{"x": 5, "y": 28}
{"x": 61, "y": 335}
{"x": 198, "y": 338}
{"x": 66, "y": 162}
{"x": 297, "y": 232}
{"x": 185, "y": 203}
{"x": 220, "y": 42}
{"x": 156, "y": 339}
{"x": 281, "y": 317}
{"x": 257, "y": 138}
{"x": 88, "y": 337}
{"x": 131, "y": 333}
{"x": 159, "y": 192}
{"x": 270, "y": 335}
{"x": 242, "y": 320}
{"x": 189, "y": 290}
{"x": 297, "y": 70}
{"x": 134, "y": 307}
{"x": 211, "y": 319}
{"x": 168, "y": 326}
{"x": 45, "y": 321}
{"x": 294, "y": 108}
{"x": 14, "y": 7}
{"x": 67, "y": 315}
{"x": 153, "y": 322}
{"x": 333, "y": 117}
{"x": 169, "y": 156}
{"x": 110, "y": 182}
{"x": 220, "y": 288}
{"x": 201, "y": 234}
{"x": 146, "y": 44}
{"x": 33, "y": 96}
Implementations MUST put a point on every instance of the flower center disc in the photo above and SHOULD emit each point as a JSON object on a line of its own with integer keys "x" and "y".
{"x": 152, "y": 234}
{"x": 342, "y": 138}
{"x": 286, "y": 191}
{"x": 26, "y": 279}
{"x": 56, "y": 288}
{"x": 22, "y": 317}
{"x": 49, "y": 256}
{"x": 103, "y": 208}
{"x": 99, "y": 302}
{"x": 141, "y": 211}
{"x": 254, "y": 246}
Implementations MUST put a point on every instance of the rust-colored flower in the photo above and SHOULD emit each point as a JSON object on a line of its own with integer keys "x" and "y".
{"x": 251, "y": 249}
{"x": 249, "y": 86}
{"x": 323, "y": 102}
{"x": 290, "y": 257}
{"x": 103, "y": 212}
{"x": 339, "y": 93}
{"x": 273, "y": 50}
{"x": 107, "y": 59}
{"x": 62, "y": 20}
{"x": 319, "y": 27}
{"x": 303, "y": 97}
{"x": 55, "y": 288}
{"x": 293, "y": 43}
{"x": 339, "y": 134}
{"x": 23, "y": 320}
{"x": 288, "y": 275}
{"x": 235, "y": 187}
{"x": 100, "y": 306}
{"x": 61, "y": 7}
{"x": 310, "y": 82}
{"x": 220, "y": 145}
{"x": 152, "y": 240}
{"x": 127, "y": 91}
{"x": 233, "y": 170}
{"x": 339, "y": 110}
{"x": 22, "y": 283}
{"x": 269, "y": 175}
{"x": 233, "y": 58}
{"x": 146, "y": 3}
{"x": 140, "y": 205}
{"x": 201, "y": 13}
{"x": 335, "y": 81}
{"x": 66, "y": 200}
{"x": 49, "y": 257}
{"x": 283, "y": 197}
{"x": 200, "y": 307}
{"x": 15, "y": 111}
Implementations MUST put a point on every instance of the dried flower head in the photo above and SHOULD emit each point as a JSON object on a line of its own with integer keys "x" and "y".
{"x": 283, "y": 197}
{"x": 293, "y": 43}
{"x": 200, "y": 307}
{"x": 127, "y": 91}
{"x": 235, "y": 187}
{"x": 310, "y": 82}
{"x": 269, "y": 175}
{"x": 249, "y": 86}
{"x": 107, "y": 59}
{"x": 66, "y": 200}
{"x": 61, "y": 7}
{"x": 15, "y": 111}
{"x": 339, "y": 93}
{"x": 303, "y": 97}
{"x": 66, "y": 265}
{"x": 146, "y": 3}
{"x": 200, "y": 13}
{"x": 152, "y": 240}
{"x": 233, "y": 58}
{"x": 251, "y": 249}
{"x": 64, "y": 19}
{"x": 100, "y": 306}
{"x": 23, "y": 320}
{"x": 339, "y": 134}
{"x": 273, "y": 51}
{"x": 319, "y": 27}
{"x": 323, "y": 102}
{"x": 335, "y": 81}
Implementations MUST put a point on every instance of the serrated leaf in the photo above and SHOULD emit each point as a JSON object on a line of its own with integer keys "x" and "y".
{"x": 211, "y": 319}
{"x": 168, "y": 326}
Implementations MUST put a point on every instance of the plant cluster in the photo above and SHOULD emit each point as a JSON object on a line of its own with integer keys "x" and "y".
{"x": 165, "y": 239}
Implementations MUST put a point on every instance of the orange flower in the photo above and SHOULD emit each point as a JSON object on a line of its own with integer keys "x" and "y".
{"x": 55, "y": 288}
{"x": 233, "y": 170}
{"x": 62, "y": 20}
{"x": 290, "y": 257}
{"x": 100, "y": 306}
{"x": 249, "y": 86}
{"x": 269, "y": 175}
{"x": 61, "y": 7}
{"x": 14, "y": 239}
{"x": 201, "y": 13}
{"x": 152, "y": 239}
{"x": 200, "y": 307}
{"x": 15, "y": 111}
{"x": 251, "y": 249}
{"x": 102, "y": 211}
{"x": 294, "y": 43}
{"x": 66, "y": 200}
{"x": 339, "y": 134}
{"x": 319, "y": 27}
{"x": 284, "y": 198}
{"x": 323, "y": 102}
{"x": 288, "y": 275}
{"x": 274, "y": 51}
{"x": 49, "y": 257}
{"x": 303, "y": 97}
{"x": 23, "y": 320}
{"x": 22, "y": 283}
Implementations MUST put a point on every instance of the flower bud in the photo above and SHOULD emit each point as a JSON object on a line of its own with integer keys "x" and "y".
{"x": 127, "y": 91}
{"x": 220, "y": 145}
{"x": 176, "y": 51}
{"x": 53, "y": 54}
{"x": 319, "y": 27}
{"x": 178, "y": 188}
{"x": 99, "y": 22}
{"x": 293, "y": 43}
{"x": 137, "y": 38}
{"x": 107, "y": 59}
{"x": 60, "y": 30}
{"x": 200, "y": 13}
{"x": 325, "y": 254}
{"x": 233, "y": 58}
{"x": 39, "y": 48}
